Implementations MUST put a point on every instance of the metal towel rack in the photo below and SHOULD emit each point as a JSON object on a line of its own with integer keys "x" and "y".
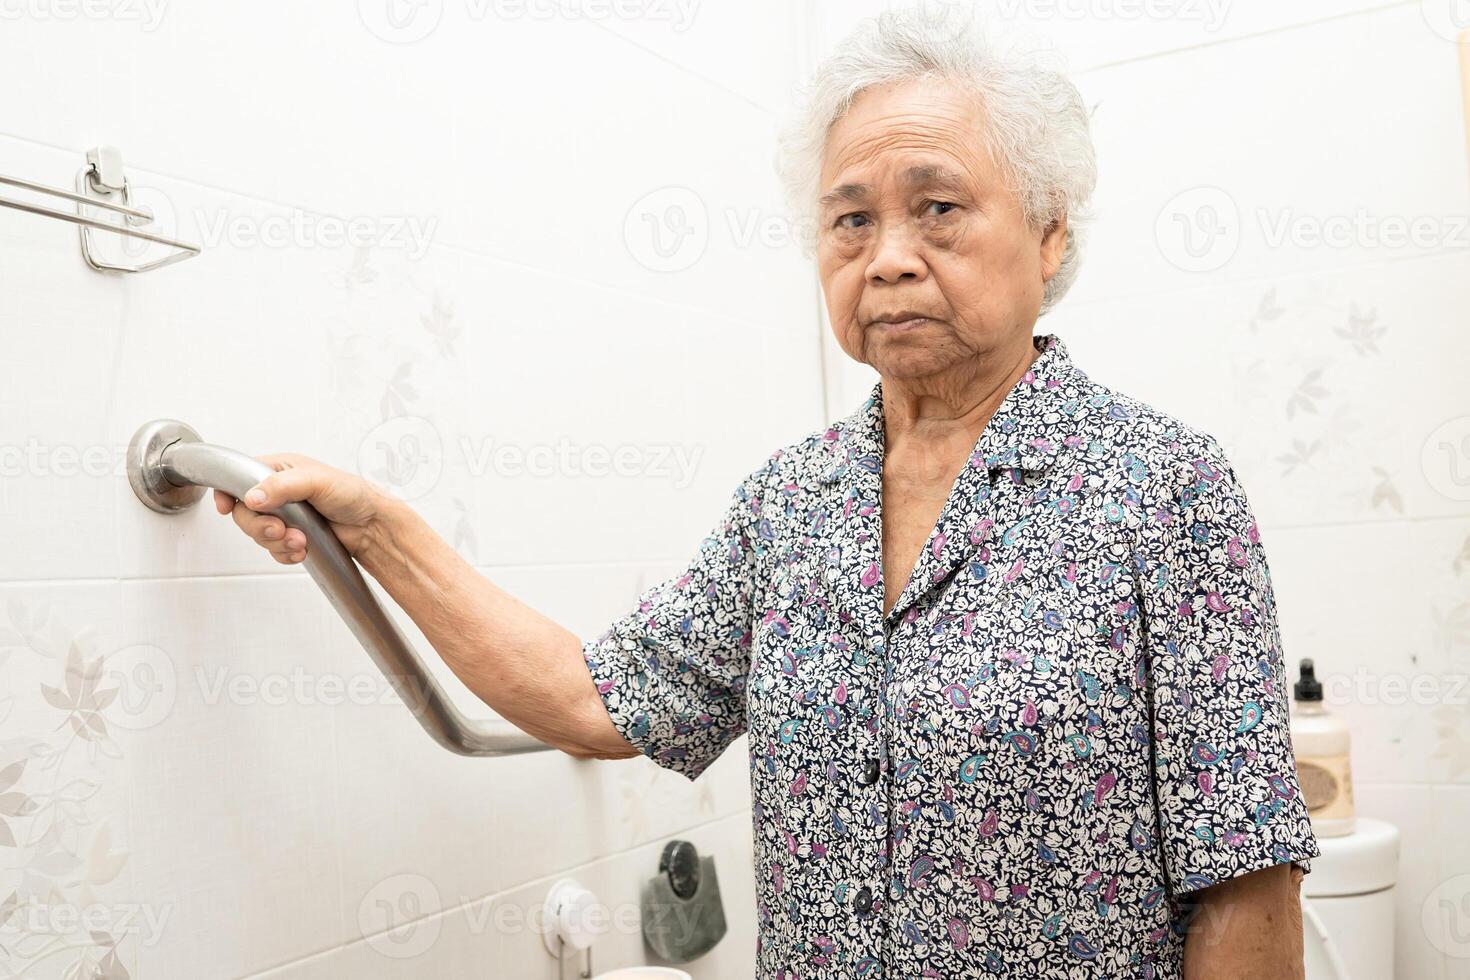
{"x": 169, "y": 468}
{"x": 103, "y": 175}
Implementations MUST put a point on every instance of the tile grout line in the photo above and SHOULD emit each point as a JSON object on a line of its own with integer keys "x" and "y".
{"x": 490, "y": 897}
{"x": 298, "y": 574}
{"x": 1133, "y": 297}
{"x": 443, "y": 247}
{"x": 1252, "y": 36}
{"x": 659, "y": 56}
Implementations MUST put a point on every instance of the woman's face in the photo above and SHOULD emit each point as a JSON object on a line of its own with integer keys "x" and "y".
{"x": 915, "y": 217}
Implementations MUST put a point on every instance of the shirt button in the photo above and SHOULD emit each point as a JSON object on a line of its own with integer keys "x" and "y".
{"x": 863, "y": 901}
{"x": 871, "y": 770}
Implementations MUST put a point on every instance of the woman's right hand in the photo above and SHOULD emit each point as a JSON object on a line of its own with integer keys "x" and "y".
{"x": 351, "y": 504}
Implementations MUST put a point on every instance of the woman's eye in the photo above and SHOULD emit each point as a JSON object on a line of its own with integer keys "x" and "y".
{"x": 842, "y": 222}
{"x": 940, "y": 204}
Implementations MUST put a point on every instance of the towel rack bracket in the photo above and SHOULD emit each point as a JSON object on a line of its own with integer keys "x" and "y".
{"x": 101, "y": 186}
{"x": 105, "y": 169}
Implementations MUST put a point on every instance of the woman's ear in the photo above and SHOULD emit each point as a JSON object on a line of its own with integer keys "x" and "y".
{"x": 1053, "y": 248}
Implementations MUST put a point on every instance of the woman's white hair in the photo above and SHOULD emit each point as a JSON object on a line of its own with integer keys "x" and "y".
{"x": 1038, "y": 133}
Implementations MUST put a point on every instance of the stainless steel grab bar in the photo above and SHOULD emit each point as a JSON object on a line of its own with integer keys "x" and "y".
{"x": 169, "y": 467}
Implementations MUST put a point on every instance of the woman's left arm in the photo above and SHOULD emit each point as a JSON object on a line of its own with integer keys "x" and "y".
{"x": 1230, "y": 811}
{"x": 1250, "y": 926}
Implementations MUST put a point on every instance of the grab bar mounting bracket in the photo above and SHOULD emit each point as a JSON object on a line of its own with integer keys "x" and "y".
{"x": 146, "y": 472}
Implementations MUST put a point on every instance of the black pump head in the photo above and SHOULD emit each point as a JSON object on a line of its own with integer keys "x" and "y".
{"x": 1307, "y": 687}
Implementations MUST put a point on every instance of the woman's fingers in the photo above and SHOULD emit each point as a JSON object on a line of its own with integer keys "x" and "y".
{"x": 286, "y": 545}
{"x": 287, "y": 486}
{"x": 345, "y": 500}
{"x": 263, "y": 528}
{"x": 271, "y": 533}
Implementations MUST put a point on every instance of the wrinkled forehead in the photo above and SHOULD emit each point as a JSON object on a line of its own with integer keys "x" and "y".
{"x": 909, "y": 133}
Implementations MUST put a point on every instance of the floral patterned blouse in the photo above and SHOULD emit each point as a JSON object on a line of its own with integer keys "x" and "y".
{"x": 1074, "y": 715}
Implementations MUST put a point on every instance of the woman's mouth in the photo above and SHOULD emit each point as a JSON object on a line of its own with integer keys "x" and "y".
{"x": 900, "y": 326}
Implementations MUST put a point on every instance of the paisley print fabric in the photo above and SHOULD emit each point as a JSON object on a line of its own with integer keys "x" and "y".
{"x": 1074, "y": 716}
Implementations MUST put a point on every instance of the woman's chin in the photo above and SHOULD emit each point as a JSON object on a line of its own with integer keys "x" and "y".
{"x": 908, "y": 357}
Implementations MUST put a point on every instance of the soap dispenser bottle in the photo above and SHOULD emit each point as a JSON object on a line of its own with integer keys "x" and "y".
{"x": 1320, "y": 741}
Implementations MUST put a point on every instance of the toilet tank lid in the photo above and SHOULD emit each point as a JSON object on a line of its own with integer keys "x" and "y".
{"x": 1365, "y": 861}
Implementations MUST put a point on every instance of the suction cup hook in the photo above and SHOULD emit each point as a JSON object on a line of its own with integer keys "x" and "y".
{"x": 569, "y": 914}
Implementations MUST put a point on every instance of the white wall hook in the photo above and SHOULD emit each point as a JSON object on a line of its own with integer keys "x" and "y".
{"x": 571, "y": 922}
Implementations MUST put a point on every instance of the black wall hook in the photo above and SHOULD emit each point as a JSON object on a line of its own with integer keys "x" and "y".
{"x": 680, "y": 861}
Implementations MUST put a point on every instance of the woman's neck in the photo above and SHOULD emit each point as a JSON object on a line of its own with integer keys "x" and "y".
{"x": 955, "y": 403}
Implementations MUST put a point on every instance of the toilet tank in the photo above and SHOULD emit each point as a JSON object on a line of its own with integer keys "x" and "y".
{"x": 1351, "y": 893}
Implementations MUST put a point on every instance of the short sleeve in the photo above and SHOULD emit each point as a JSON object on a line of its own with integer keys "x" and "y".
{"x": 1225, "y": 776}
{"x": 672, "y": 671}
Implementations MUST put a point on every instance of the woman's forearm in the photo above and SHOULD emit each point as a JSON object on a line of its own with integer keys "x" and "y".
{"x": 1249, "y": 926}
{"x": 525, "y": 666}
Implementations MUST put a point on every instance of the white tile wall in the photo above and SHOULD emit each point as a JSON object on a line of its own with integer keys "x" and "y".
{"x": 249, "y": 805}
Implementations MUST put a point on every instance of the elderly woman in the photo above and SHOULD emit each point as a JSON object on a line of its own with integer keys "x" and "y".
{"x": 1003, "y": 638}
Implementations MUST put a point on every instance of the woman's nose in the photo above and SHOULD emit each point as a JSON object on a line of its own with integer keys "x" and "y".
{"x": 896, "y": 255}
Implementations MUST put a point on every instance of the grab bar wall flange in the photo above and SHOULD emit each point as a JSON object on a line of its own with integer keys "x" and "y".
{"x": 169, "y": 469}
{"x": 146, "y": 471}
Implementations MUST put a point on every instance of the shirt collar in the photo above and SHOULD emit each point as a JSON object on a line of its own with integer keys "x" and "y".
{"x": 1022, "y": 433}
